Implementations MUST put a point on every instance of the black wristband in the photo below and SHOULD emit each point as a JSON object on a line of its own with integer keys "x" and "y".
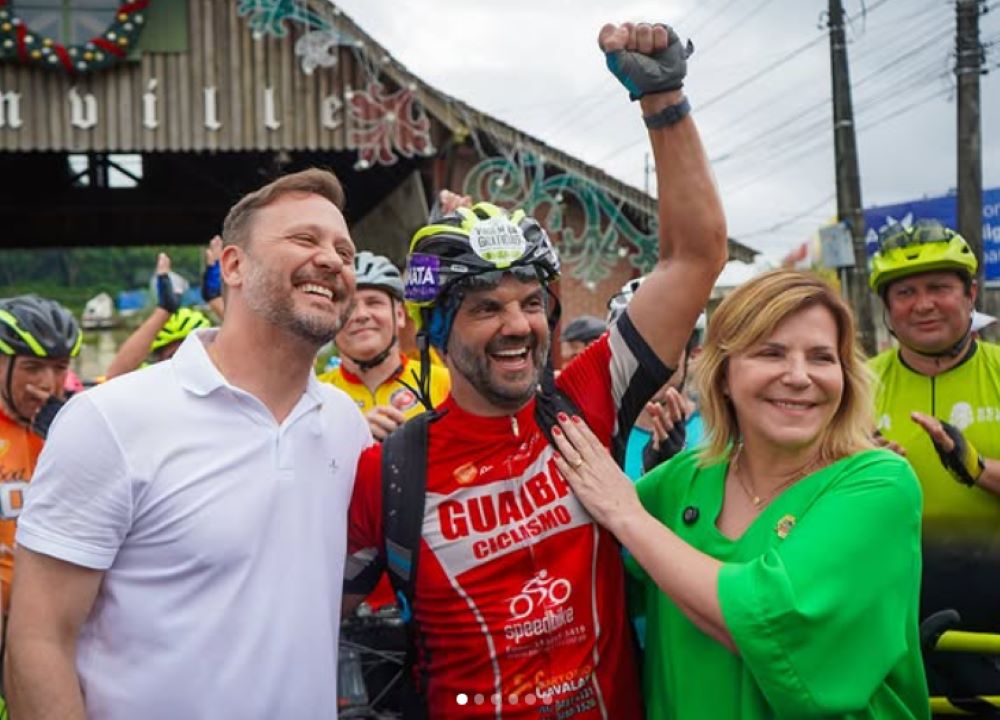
{"x": 668, "y": 116}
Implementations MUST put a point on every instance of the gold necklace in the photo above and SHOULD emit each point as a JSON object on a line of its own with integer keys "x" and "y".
{"x": 756, "y": 500}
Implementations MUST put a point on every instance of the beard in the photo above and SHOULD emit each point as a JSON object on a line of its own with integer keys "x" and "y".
{"x": 267, "y": 297}
{"x": 474, "y": 365}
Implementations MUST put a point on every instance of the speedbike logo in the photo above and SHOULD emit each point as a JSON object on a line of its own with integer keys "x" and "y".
{"x": 541, "y": 593}
{"x": 479, "y": 523}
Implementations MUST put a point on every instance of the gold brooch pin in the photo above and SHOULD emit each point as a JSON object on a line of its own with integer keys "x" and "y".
{"x": 784, "y": 526}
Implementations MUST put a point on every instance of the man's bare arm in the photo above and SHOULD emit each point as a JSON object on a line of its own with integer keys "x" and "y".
{"x": 693, "y": 238}
{"x": 50, "y": 601}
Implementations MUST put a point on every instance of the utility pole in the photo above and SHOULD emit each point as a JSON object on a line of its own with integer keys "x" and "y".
{"x": 968, "y": 67}
{"x": 854, "y": 279}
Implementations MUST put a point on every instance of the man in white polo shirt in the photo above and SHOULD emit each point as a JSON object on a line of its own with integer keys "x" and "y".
{"x": 181, "y": 550}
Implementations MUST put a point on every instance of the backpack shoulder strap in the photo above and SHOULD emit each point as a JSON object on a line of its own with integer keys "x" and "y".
{"x": 404, "y": 490}
{"x": 404, "y": 487}
{"x": 548, "y": 405}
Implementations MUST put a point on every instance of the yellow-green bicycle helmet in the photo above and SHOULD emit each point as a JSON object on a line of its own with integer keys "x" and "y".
{"x": 179, "y": 326}
{"x": 926, "y": 246}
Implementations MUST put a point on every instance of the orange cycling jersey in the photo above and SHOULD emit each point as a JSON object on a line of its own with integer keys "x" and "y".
{"x": 19, "y": 450}
{"x": 392, "y": 391}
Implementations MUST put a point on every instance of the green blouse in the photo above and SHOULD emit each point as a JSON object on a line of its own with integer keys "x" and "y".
{"x": 820, "y": 596}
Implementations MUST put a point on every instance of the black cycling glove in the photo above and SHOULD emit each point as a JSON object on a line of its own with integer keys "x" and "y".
{"x": 642, "y": 74}
{"x": 672, "y": 444}
{"x": 963, "y": 461}
{"x": 166, "y": 298}
{"x": 45, "y": 415}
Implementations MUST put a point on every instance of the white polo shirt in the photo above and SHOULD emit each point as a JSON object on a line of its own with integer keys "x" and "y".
{"x": 221, "y": 533}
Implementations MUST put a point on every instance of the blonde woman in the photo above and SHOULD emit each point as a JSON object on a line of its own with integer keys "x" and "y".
{"x": 781, "y": 562}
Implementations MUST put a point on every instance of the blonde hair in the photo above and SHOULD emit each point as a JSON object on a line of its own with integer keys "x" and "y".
{"x": 748, "y": 316}
{"x": 314, "y": 181}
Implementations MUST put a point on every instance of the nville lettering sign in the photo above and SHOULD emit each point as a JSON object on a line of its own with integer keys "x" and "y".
{"x": 85, "y": 111}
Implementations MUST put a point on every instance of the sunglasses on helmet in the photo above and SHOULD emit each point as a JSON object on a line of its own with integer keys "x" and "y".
{"x": 895, "y": 236}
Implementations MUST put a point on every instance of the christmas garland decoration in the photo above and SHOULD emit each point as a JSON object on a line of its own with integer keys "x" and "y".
{"x": 20, "y": 43}
{"x": 593, "y": 247}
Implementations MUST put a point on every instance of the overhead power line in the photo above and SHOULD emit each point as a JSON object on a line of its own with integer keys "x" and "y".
{"x": 788, "y": 221}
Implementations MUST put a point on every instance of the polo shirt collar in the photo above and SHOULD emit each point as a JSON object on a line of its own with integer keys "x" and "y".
{"x": 199, "y": 375}
{"x": 195, "y": 370}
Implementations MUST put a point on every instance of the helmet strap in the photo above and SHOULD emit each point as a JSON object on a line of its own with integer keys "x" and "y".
{"x": 423, "y": 379}
{"x": 378, "y": 359}
{"x": 548, "y": 380}
{"x": 951, "y": 352}
{"x": 8, "y": 394}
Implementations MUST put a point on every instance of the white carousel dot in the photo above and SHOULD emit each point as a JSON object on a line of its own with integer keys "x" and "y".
{"x": 512, "y": 699}
{"x": 29, "y": 39}
{"x": 462, "y": 699}
{"x": 529, "y": 698}
{"x": 98, "y": 56}
{"x": 127, "y": 26}
{"x": 8, "y": 43}
{"x": 137, "y": 19}
{"x": 111, "y": 36}
{"x": 82, "y": 65}
{"x": 72, "y": 51}
{"x": 53, "y": 58}
{"x": 478, "y": 699}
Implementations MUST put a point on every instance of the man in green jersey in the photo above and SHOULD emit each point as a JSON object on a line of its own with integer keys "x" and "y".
{"x": 938, "y": 401}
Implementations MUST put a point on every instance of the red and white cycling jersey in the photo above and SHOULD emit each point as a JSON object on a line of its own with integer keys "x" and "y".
{"x": 520, "y": 597}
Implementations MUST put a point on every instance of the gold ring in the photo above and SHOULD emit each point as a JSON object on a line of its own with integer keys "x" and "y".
{"x": 578, "y": 463}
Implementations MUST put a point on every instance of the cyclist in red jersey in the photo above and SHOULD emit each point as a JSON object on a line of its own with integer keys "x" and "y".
{"x": 519, "y": 596}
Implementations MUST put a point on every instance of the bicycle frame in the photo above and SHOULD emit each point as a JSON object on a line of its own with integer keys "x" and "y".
{"x": 936, "y": 635}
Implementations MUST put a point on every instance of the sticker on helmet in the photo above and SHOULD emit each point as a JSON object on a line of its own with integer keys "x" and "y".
{"x": 423, "y": 278}
{"x": 498, "y": 241}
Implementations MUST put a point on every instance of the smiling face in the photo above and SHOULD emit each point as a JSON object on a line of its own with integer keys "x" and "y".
{"x": 47, "y": 375}
{"x": 786, "y": 389}
{"x": 930, "y": 312}
{"x": 297, "y": 270}
{"x": 372, "y": 326}
{"x": 497, "y": 347}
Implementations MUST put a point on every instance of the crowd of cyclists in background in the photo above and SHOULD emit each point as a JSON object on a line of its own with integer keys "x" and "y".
{"x": 716, "y": 512}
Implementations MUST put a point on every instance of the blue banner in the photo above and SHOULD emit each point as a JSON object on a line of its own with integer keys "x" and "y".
{"x": 944, "y": 210}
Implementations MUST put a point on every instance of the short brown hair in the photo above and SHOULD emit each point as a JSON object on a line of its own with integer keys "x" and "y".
{"x": 314, "y": 181}
{"x": 748, "y": 316}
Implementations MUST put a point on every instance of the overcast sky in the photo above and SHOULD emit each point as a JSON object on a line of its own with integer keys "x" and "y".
{"x": 535, "y": 65}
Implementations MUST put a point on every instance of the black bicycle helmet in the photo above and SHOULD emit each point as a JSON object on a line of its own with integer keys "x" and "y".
{"x": 471, "y": 247}
{"x": 471, "y": 242}
{"x": 30, "y": 325}
{"x": 585, "y": 329}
